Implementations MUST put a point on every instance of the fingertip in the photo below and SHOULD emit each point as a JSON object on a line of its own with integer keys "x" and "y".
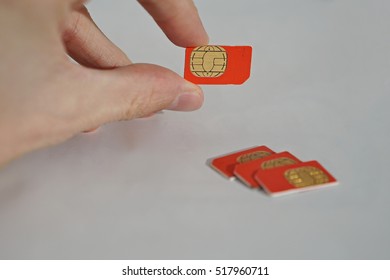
{"x": 185, "y": 42}
{"x": 189, "y": 99}
{"x": 194, "y": 35}
{"x": 179, "y": 20}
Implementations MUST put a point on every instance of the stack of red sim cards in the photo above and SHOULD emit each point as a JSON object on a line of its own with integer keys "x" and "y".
{"x": 277, "y": 173}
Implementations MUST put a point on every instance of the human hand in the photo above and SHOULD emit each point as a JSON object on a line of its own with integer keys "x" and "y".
{"x": 45, "y": 99}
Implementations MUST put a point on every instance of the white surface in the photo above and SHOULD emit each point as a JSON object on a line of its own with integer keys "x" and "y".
{"x": 319, "y": 88}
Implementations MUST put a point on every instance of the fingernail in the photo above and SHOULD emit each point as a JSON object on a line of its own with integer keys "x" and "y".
{"x": 190, "y": 98}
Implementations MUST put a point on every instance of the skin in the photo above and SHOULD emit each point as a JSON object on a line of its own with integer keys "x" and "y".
{"x": 46, "y": 99}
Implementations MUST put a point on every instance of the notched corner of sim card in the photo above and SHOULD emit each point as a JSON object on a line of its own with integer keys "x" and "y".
{"x": 209, "y": 162}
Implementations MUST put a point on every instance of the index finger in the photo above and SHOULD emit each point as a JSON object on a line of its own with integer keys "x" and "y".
{"x": 179, "y": 20}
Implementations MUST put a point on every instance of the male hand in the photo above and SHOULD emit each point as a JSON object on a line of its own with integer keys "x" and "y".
{"x": 46, "y": 99}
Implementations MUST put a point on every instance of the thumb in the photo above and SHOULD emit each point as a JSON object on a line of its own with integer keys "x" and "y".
{"x": 130, "y": 92}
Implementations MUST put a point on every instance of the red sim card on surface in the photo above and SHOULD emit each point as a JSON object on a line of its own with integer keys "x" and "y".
{"x": 216, "y": 65}
{"x": 246, "y": 171}
{"x": 225, "y": 164}
{"x": 294, "y": 178}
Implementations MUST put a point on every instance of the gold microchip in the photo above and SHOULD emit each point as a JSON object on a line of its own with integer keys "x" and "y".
{"x": 252, "y": 156}
{"x": 305, "y": 176}
{"x": 282, "y": 161}
{"x": 208, "y": 61}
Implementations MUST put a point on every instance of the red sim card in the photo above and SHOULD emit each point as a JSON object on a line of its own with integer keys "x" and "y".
{"x": 225, "y": 164}
{"x": 303, "y": 176}
{"x": 246, "y": 171}
{"x": 218, "y": 65}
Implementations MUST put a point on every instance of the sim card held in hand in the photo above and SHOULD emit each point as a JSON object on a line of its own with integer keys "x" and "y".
{"x": 226, "y": 164}
{"x": 294, "y": 178}
{"x": 246, "y": 171}
{"x": 218, "y": 64}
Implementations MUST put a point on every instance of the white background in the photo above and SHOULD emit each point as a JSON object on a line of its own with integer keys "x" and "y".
{"x": 320, "y": 88}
